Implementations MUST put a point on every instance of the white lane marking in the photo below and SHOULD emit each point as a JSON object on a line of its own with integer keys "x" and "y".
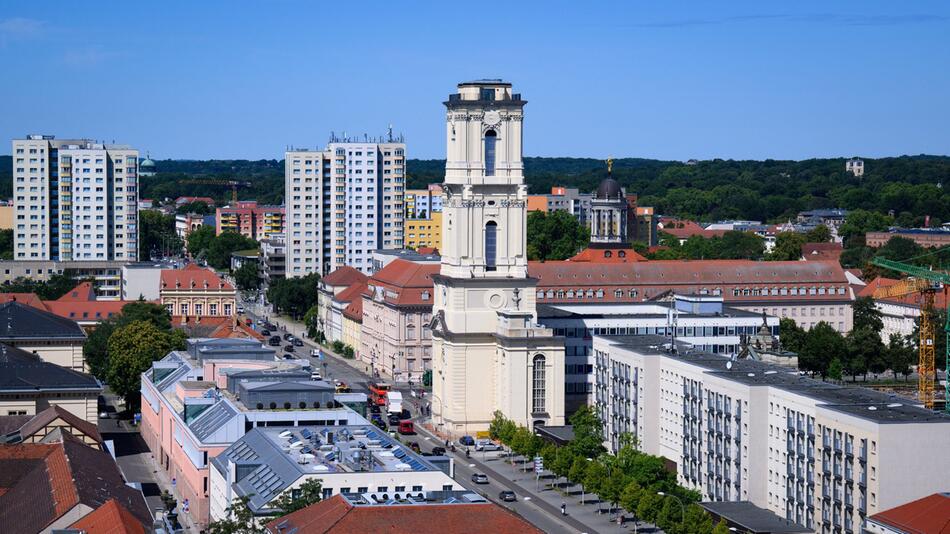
{"x": 471, "y": 465}
{"x": 526, "y": 498}
{"x": 428, "y": 438}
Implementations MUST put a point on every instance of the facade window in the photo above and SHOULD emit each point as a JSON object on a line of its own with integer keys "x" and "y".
{"x": 537, "y": 385}
{"x": 490, "y": 138}
{"x": 491, "y": 245}
{"x": 410, "y": 331}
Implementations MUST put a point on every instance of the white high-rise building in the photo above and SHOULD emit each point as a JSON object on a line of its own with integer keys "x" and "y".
{"x": 488, "y": 353}
{"x": 75, "y": 200}
{"x": 343, "y": 203}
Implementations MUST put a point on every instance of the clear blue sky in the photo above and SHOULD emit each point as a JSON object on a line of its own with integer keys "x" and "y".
{"x": 673, "y": 81}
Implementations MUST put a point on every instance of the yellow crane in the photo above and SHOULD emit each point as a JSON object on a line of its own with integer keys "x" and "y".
{"x": 234, "y": 184}
{"x": 926, "y": 283}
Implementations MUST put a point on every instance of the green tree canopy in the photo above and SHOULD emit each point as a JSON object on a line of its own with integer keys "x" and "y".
{"x": 294, "y": 296}
{"x": 219, "y": 251}
{"x": 197, "y": 207}
{"x": 247, "y": 276}
{"x": 132, "y": 349}
{"x": 6, "y": 244}
{"x": 822, "y": 345}
{"x": 157, "y": 235}
{"x": 556, "y": 235}
{"x": 900, "y": 355}
{"x": 200, "y": 239}
{"x": 240, "y": 520}
{"x": 867, "y": 315}
{"x": 588, "y": 432}
{"x": 788, "y": 246}
{"x": 792, "y": 335}
{"x": 96, "y": 348}
{"x": 302, "y": 496}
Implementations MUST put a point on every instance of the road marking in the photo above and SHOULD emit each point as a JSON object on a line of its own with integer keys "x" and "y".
{"x": 428, "y": 438}
{"x": 471, "y": 465}
{"x": 526, "y": 498}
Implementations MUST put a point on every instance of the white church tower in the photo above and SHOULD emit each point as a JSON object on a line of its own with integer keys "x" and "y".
{"x": 488, "y": 353}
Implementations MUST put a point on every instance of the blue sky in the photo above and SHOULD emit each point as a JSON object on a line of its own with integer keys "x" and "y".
{"x": 670, "y": 80}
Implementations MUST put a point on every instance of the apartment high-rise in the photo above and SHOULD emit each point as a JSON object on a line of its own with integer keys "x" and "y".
{"x": 342, "y": 203}
{"x": 75, "y": 200}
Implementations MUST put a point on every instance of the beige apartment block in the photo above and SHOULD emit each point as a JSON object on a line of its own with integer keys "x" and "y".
{"x": 75, "y": 200}
{"x": 822, "y": 455}
{"x": 488, "y": 353}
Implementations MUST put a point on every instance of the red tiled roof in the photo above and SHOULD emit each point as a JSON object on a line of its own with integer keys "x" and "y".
{"x": 41, "y": 482}
{"x": 607, "y": 255}
{"x": 110, "y": 518}
{"x": 425, "y": 251}
{"x": 336, "y": 516}
{"x": 410, "y": 281}
{"x": 344, "y": 276}
{"x": 182, "y": 279}
{"x": 351, "y": 293}
{"x": 84, "y": 292}
{"x": 81, "y": 304}
{"x": 689, "y": 228}
{"x": 216, "y": 327}
{"x": 929, "y": 515}
{"x": 30, "y": 299}
{"x": 653, "y": 277}
{"x": 822, "y": 251}
{"x": 51, "y": 414}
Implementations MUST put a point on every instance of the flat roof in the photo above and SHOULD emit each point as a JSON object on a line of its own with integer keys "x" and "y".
{"x": 857, "y": 401}
{"x": 633, "y": 309}
{"x": 748, "y": 517}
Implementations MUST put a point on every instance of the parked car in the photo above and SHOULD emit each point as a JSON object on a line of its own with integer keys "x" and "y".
{"x": 393, "y": 419}
{"x": 316, "y": 375}
{"x": 508, "y": 496}
{"x": 467, "y": 441}
{"x": 265, "y": 332}
{"x": 289, "y": 348}
{"x": 406, "y": 427}
{"x": 486, "y": 445}
{"x": 270, "y": 326}
{"x": 288, "y": 356}
{"x": 480, "y": 478}
{"x": 373, "y": 408}
{"x": 438, "y": 451}
{"x": 288, "y": 337}
{"x": 297, "y": 342}
{"x": 274, "y": 341}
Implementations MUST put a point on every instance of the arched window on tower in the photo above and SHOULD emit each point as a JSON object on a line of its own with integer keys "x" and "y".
{"x": 537, "y": 384}
{"x": 491, "y": 245}
{"x": 490, "y": 138}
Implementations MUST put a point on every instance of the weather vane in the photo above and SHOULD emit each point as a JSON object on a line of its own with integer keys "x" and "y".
{"x": 610, "y": 165}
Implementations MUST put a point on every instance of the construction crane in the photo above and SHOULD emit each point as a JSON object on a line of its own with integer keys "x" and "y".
{"x": 927, "y": 283}
{"x": 233, "y": 184}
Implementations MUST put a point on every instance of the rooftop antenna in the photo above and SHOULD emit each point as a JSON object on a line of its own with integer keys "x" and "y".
{"x": 390, "y": 132}
{"x": 671, "y": 319}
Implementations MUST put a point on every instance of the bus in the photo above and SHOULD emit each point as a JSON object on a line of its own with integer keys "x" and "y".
{"x": 378, "y": 391}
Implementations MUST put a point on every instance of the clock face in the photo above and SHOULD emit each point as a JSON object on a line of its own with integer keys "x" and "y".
{"x": 492, "y": 118}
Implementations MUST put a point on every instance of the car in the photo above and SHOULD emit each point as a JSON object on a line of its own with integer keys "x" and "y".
{"x": 297, "y": 342}
{"x": 508, "y": 496}
{"x": 265, "y": 332}
{"x": 270, "y": 326}
{"x": 315, "y": 353}
{"x": 288, "y": 356}
{"x": 373, "y": 408}
{"x": 467, "y": 441}
{"x": 480, "y": 478}
{"x": 288, "y": 337}
{"x": 404, "y": 414}
{"x": 274, "y": 341}
{"x": 393, "y": 419}
{"x": 486, "y": 445}
{"x": 289, "y": 348}
{"x": 240, "y": 309}
{"x": 438, "y": 451}
{"x": 316, "y": 375}
{"x": 343, "y": 388}
{"x": 248, "y": 322}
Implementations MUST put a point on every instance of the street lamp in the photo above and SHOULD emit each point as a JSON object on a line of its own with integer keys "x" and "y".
{"x": 682, "y": 508}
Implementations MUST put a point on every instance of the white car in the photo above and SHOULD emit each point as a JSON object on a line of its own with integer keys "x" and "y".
{"x": 316, "y": 375}
{"x": 486, "y": 445}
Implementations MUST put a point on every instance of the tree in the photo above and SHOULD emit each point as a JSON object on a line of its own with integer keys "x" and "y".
{"x": 588, "y": 432}
{"x": 157, "y": 235}
{"x": 197, "y": 207}
{"x": 240, "y": 519}
{"x": 294, "y": 296}
{"x": 792, "y": 335}
{"x": 132, "y": 349}
{"x": 96, "y": 348}
{"x": 6, "y": 244}
{"x": 867, "y": 315}
{"x": 631, "y": 495}
{"x": 865, "y": 352}
{"x": 56, "y": 286}
{"x": 818, "y": 234}
{"x": 735, "y": 245}
{"x": 900, "y": 355}
{"x": 671, "y": 516}
{"x": 557, "y": 235}
{"x": 822, "y": 345}
{"x": 594, "y": 477}
{"x": 501, "y": 428}
{"x": 563, "y": 462}
{"x": 200, "y": 239}
{"x": 649, "y": 507}
{"x": 220, "y": 250}
{"x": 859, "y": 222}
{"x": 578, "y": 470}
{"x": 613, "y": 487}
{"x": 788, "y": 246}
{"x": 247, "y": 276}
{"x": 721, "y": 528}
{"x": 311, "y": 321}
{"x": 308, "y": 493}
{"x": 835, "y": 369}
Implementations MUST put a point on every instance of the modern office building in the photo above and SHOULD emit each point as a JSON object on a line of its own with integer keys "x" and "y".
{"x": 342, "y": 203}
{"x": 822, "y": 455}
{"x": 269, "y": 461}
{"x": 197, "y": 402}
{"x": 75, "y": 200}
{"x": 702, "y": 321}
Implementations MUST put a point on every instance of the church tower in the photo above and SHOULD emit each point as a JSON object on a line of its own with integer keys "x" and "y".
{"x": 488, "y": 354}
